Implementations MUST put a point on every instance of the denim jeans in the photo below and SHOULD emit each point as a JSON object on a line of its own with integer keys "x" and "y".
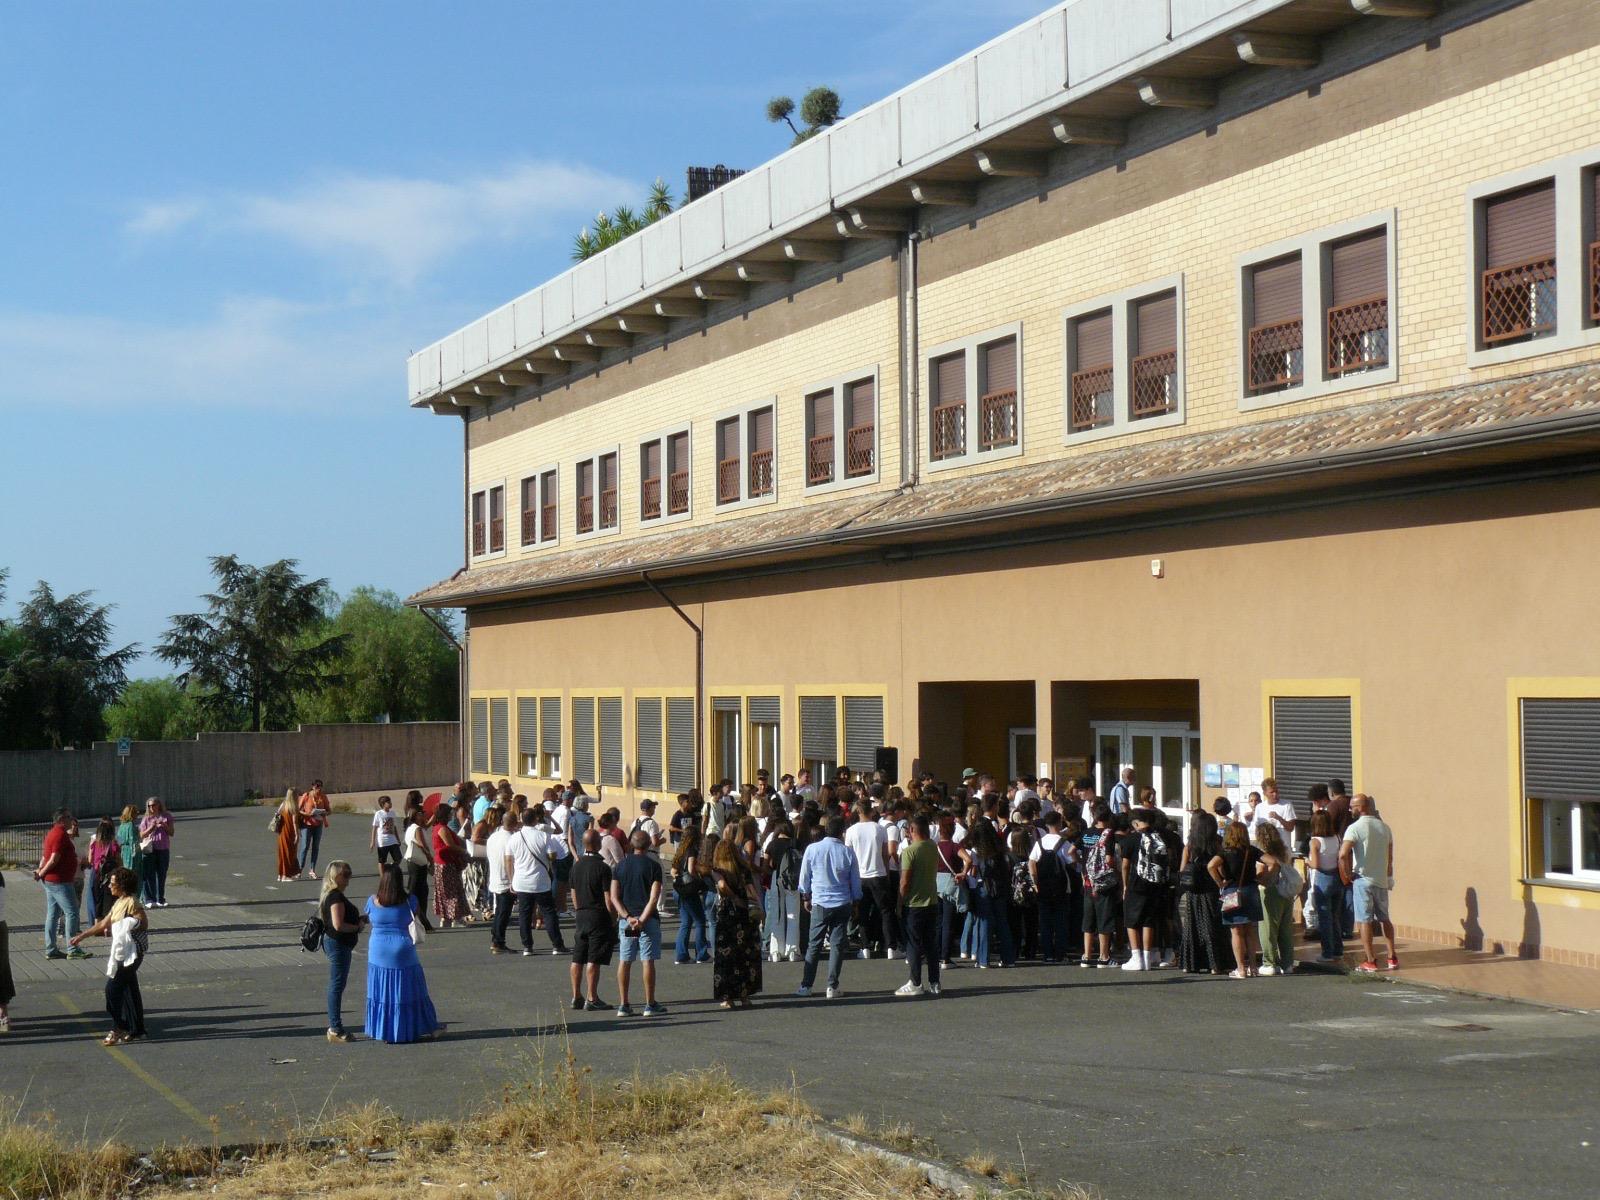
{"x": 59, "y": 898}
{"x": 827, "y": 925}
{"x": 691, "y": 917}
{"x": 1327, "y": 898}
{"x": 310, "y": 845}
{"x": 338, "y": 976}
{"x": 981, "y": 920}
{"x": 91, "y": 883}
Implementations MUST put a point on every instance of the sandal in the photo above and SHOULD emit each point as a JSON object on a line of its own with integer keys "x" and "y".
{"x": 728, "y": 1004}
{"x": 113, "y": 1039}
{"x": 1237, "y": 974}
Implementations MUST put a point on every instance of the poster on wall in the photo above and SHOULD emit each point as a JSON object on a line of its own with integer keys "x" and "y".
{"x": 1230, "y": 775}
{"x": 1068, "y": 769}
{"x": 1212, "y": 775}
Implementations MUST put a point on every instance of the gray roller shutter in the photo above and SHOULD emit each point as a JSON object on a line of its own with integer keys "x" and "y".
{"x": 1561, "y": 749}
{"x": 647, "y": 744}
{"x": 1155, "y": 325}
{"x": 611, "y": 741}
{"x": 1520, "y": 226}
{"x": 583, "y": 739}
{"x": 999, "y": 367}
{"x": 765, "y": 709}
{"x": 680, "y": 743}
{"x": 480, "y": 737}
{"x": 527, "y": 726}
{"x": 1311, "y": 743}
{"x": 1092, "y": 341}
{"x": 1276, "y": 288}
{"x": 819, "y": 727}
{"x": 725, "y": 704}
{"x": 863, "y": 731}
{"x": 550, "y": 725}
{"x": 500, "y": 736}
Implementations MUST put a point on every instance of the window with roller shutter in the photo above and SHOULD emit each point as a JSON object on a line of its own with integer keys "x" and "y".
{"x": 487, "y": 521}
{"x": 746, "y": 455}
{"x": 863, "y": 732}
{"x": 947, "y": 419}
{"x": 841, "y": 432}
{"x": 765, "y": 743}
{"x": 479, "y": 761}
{"x": 819, "y": 735}
{"x": 1153, "y": 374}
{"x": 538, "y": 508}
{"x": 1276, "y": 337}
{"x": 1089, "y": 343}
{"x": 1312, "y": 742}
{"x": 649, "y": 752}
{"x": 725, "y": 741}
{"x": 1518, "y": 295}
{"x": 499, "y": 736}
{"x": 1561, "y": 787}
{"x": 583, "y": 758}
{"x": 598, "y": 492}
{"x": 681, "y": 762}
{"x": 1357, "y": 309}
{"x": 528, "y": 736}
{"x": 664, "y": 477}
{"x": 1124, "y": 356}
{"x": 611, "y": 759}
{"x": 975, "y": 397}
{"x": 550, "y": 766}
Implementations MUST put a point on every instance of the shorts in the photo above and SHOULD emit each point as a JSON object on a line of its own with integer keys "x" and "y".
{"x": 1249, "y": 910}
{"x": 1143, "y": 909}
{"x": 646, "y": 947}
{"x": 593, "y": 938}
{"x": 1372, "y": 901}
{"x": 1100, "y": 913}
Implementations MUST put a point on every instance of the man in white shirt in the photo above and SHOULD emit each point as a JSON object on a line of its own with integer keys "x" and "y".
{"x": 534, "y": 853}
{"x": 1025, "y": 791}
{"x": 498, "y": 850}
{"x": 1277, "y": 812}
{"x": 646, "y": 821}
{"x": 803, "y": 784}
{"x": 1366, "y": 863}
{"x": 869, "y": 841}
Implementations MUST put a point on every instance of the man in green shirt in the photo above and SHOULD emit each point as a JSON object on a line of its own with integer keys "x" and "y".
{"x": 919, "y": 896}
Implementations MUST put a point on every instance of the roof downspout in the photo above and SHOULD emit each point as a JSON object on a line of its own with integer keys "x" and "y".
{"x": 464, "y": 646}
{"x": 910, "y": 374}
{"x": 699, "y": 667}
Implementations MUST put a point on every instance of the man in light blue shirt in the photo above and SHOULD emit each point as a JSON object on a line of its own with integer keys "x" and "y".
{"x": 830, "y": 885}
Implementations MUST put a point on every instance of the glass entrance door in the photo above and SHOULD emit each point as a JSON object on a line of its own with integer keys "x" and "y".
{"x": 1163, "y": 756}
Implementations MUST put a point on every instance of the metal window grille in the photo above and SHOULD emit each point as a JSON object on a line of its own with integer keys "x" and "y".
{"x": 860, "y": 437}
{"x": 863, "y": 731}
{"x": 1276, "y": 339}
{"x": 947, "y": 429}
{"x": 547, "y": 511}
{"x": 500, "y": 736}
{"x": 1154, "y": 370}
{"x": 497, "y": 520}
{"x": 997, "y": 408}
{"x": 650, "y": 481}
{"x": 1093, "y": 402}
{"x": 583, "y": 738}
{"x": 1518, "y": 298}
{"x": 819, "y": 727}
{"x": 479, "y": 761}
{"x": 530, "y": 511}
{"x": 647, "y": 743}
{"x": 611, "y": 772}
{"x": 681, "y": 769}
{"x": 479, "y": 528}
{"x": 1311, "y": 743}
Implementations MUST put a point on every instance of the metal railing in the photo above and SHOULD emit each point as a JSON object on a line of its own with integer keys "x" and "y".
{"x": 477, "y": 537}
{"x": 23, "y": 844}
{"x": 585, "y": 514}
{"x": 858, "y": 447}
{"x": 948, "y": 431}
{"x": 761, "y": 472}
{"x": 1277, "y": 355}
{"x": 1093, "y": 399}
{"x": 727, "y": 480}
{"x": 650, "y": 499}
{"x": 677, "y": 493}
{"x": 497, "y": 534}
{"x": 1594, "y": 281}
{"x": 547, "y": 523}
{"x": 608, "y": 508}
{"x": 819, "y": 459}
{"x": 1519, "y": 301}
{"x": 1155, "y": 384}
{"x": 1358, "y": 335}
{"x": 530, "y": 526}
{"x": 997, "y": 420}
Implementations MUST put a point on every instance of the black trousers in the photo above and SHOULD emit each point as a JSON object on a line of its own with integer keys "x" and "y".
{"x": 504, "y": 902}
{"x": 124, "y": 1003}
{"x": 552, "y": 919}
{"x": 417, "y": 885}
{"x": 881, "y": 892}
{"x": 922, "y": 941}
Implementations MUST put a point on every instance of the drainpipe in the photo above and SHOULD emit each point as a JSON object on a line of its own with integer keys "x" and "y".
{"x": 464, "y": 646}
{"x": 910, "y": 372}
{"x": 699, "y": 666}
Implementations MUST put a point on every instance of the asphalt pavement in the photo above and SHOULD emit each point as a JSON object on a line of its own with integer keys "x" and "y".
{"x": 1133, "y": 1084}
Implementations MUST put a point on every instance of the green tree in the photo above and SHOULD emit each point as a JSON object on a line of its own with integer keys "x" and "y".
{"x": 622, "y": 221}
{"x": 155, "y": 710}
{"x": 394, "y": 664}
{"x": 819, "y": 108}
{"x": 58, "y": 671}
{"x": 250, "y": 655}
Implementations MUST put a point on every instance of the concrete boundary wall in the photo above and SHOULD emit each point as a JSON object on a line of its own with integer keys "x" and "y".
{"x": 216, "y": 770}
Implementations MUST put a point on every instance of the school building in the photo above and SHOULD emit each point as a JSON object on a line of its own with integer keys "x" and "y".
{"x": 1166, "y": 382}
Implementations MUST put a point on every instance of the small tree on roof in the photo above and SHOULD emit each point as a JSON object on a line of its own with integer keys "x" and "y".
{"x": 819, "y": 108}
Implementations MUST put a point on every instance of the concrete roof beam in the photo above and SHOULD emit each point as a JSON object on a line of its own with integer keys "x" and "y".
{"x": 1277, "y": 50}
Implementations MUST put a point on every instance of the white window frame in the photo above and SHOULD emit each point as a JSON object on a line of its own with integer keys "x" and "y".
{"x": 838, "y": 385}
{"x": 1573, "y": 204}
{"x": 742, "y": 414}
{"x": 483, "y": 490}
{"x": 598, "y": 531}
{"x": 1579, "y": 874}
{"x": 1315, "y": 287}
{"x": 663, "y": 438}
{"x": 1121, "y": 304}
{"x": 969, "y": 346}
{"x": 539, "y": 494}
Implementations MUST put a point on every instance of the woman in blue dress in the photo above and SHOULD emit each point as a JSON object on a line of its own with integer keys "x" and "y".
{"x": 398, "y": 1008}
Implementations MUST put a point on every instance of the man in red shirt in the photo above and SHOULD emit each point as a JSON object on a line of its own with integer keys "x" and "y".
{"x": 58, "y": 868}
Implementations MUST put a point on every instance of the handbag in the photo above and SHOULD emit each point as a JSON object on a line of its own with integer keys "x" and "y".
{"x": 276, "y": 824}
{"x": 1231, "y": 899}
{"x": 947, "y": 885}
{"x": 416, "y": 930}
{"x": 1289, "y": 881}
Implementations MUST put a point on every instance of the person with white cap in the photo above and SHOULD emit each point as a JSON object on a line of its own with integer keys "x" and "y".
{"x": 646, "y": 822}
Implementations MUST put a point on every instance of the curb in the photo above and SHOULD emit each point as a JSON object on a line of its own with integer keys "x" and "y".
{"x": 946, "y": 1179}
{"x": 1434, "y": 986}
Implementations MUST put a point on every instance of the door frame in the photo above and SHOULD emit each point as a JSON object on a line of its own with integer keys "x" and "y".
{"x": 1126, "y": 731}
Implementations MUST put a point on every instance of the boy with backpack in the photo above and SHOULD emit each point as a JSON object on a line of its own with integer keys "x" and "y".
{"x": 1054, "y": 869}
{"x": 1145, "y": 875}
{"x": 1102, "y": 887}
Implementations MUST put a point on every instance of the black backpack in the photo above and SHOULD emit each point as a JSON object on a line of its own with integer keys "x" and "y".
{"x": 1055, "y": 883}
{"x": 789, "y": 869}
{"x": 311, "y": 934}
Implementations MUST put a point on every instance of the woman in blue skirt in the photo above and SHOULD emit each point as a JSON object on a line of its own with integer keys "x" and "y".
{"x": 398, "y": 1008}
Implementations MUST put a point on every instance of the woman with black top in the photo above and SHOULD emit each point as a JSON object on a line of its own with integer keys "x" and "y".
{"x": 1202, "y": 945}
{"x": 736, "y": 958}
{"x": 341, "y": 929}
{"x": 1234, "y": 869}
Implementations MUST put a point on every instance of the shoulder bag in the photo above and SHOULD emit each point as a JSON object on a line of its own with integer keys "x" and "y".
{"x": 947, "y": 886}
{"x": 1231, "y": 899}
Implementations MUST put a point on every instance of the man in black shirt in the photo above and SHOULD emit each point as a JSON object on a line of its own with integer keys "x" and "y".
{"x": 591, "y": 902}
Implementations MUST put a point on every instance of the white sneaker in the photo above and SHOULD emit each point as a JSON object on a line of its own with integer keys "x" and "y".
{"x": 891, "y": 954}
{"x": 1170, "y": 961}
{"x": 1135, "y": 962}
{"x": 794, "y": 956}
{"x": 863, "y": 953}
{"x": 1268, "y": 969}
{"x": 933, "y": 989}
{"x": 908, "y": 989}
{"x": 835, "y": 993}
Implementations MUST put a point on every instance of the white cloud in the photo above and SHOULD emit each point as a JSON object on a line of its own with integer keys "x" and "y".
{"x": 398, "y": 229}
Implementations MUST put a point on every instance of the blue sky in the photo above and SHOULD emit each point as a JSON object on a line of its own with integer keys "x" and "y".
{"x": 223, "y": 226}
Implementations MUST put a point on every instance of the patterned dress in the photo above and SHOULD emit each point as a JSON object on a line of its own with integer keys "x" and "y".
{"x": 736, "y": 960}
{"x": 449, "y": 891}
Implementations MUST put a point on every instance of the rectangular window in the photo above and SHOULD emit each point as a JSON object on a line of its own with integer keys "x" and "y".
{"x": 583, "y": 757}
{"x": 597, "y": 492}
{"x": 819, "y": 735}
{"x": 1518, "y": 298}
{"x": 765, "y": 717}
{"x": 1592, "y": 253}
{"x": 480, "y": 524}
{"x": 539, "y": 507}
{"x": 1312, "y": 742}
{"x": 497, "y": 519}
{"x": 664, "y": 476}
{"x": 1561, "y": 786}
{"x": 609, "y": 480}
{"x": 681, "y": 758}
{"x": 747, "y": 468}
{"x": 1155, "y": 356}
{"x": 842, "y": 432}
{"x": 725, "y": 715}
{"x": 863, "y": 732}
{"x": 550, "y": 737}
{"x": 678, "y": 474}
{"x": 651, "y": 485}
{"x": 530, "y": 511}
{"x": 586, "y": 496}
{"x": 500, "y": 736}
{"x": 488, "y": 519}
{"x": 528, "y": 736}
{"x": 861, "y": 434}
{"x": 548, "y": 496}
{"x": 479, "y": 755}
{"x": 761, "y": 473}
{"x": 820, "y": 444}
{"x": 1093, "y": 376}
{"x": 1276, "y": 349}
{"x": 975, "y": 397}
{"x": 728, "y": 491}
{"x": 611, "y": 759}
{"x": 648, "y": 744}
{"x": 1358, "y": 303}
